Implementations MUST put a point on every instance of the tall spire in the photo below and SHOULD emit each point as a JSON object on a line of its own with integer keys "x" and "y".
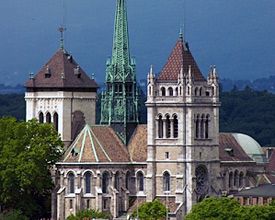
{"x": 119, "y": 104}
{"x": 61, "y": 29}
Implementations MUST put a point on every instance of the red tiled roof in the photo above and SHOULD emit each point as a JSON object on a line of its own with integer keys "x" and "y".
{"x": 138, "y": 144}
{"x": 61, "y": 68}
{"x": 97, "y": 144}
{"x": 180, "y": 57}
{"x": 227, "y": 142}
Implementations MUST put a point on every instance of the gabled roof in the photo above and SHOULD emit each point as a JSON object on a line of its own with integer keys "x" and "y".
{"x": 230, "y": 149}
{"x": 138, "y": 144}
{"x": 181, "y": 56}
{"x": 62, "y": 73}
{"x": 96, "y": 144}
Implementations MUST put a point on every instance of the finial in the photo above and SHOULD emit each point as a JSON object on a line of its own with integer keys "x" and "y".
{"x": 31, "y": 76}
{"x": 93, "y": 76}
{"x": 181, "y": 33}
{"x": 62, "y": 29}
{"x": 151, "y": 70}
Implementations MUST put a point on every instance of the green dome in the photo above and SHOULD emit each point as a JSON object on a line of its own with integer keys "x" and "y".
{"x": 251, "y": 147}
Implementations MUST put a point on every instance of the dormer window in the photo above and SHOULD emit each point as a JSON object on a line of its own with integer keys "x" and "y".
{"x": 230, "y": 151}
{"x": 77, "y": 72}
{"x": 48, "y": 72}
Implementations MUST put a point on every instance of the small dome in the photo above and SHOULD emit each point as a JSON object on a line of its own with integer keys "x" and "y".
{"x": 251, "y": 147}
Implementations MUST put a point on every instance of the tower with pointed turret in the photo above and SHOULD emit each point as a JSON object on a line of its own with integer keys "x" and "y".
{"x": 119, "y": 103}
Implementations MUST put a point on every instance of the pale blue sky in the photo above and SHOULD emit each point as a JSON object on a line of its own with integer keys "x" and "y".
{"x": 237, "y": 35}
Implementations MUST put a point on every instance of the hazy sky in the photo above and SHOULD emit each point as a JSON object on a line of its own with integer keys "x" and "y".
{"x": 237, "y": 35}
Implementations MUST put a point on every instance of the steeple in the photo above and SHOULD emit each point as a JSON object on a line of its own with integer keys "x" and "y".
{"x": 119, "y": 103}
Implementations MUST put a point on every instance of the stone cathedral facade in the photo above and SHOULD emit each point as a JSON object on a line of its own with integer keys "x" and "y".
{"x": 179, "y": 156}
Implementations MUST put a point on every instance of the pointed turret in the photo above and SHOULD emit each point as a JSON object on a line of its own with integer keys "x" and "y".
{"x": 119, "y": 104}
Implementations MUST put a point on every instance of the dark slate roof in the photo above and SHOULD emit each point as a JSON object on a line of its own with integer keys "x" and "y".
{"x": 61, "y": 68}
{"x": 96, "y": 144}
{"x": 230, "y": 150}
{"x": 267, "y": 190}
{"x": 181, "y": 56}
{"x": 138, "y": 144}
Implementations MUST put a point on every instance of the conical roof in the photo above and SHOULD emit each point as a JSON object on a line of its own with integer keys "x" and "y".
{"x": 61, "y": 72}
{"x": 181, "y": 56}
{"x": 96, "y": 144}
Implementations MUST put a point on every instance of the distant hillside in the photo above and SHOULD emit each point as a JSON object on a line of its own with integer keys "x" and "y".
{"x": 246, "y": 111}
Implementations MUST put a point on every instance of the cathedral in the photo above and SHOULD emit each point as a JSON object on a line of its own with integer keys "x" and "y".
{"x": 179, "y": 156}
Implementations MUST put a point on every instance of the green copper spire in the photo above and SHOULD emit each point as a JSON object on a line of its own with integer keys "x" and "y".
{"x": 119, "y": 104}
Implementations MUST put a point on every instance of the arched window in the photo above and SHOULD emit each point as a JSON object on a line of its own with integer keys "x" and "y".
{"x": 207, "y": 127}
{"x": 71, "y": 182}
{"x": 88, "y": 181}
{"x": 55, "y": 120}
{"x": 188, "y": 90}
{"x": 128, "y": 180}
{"x": 170, "y": 91}
{"x": 117, "y": 181}
{"x": 236, "y": 175}
{"x": 230, "y": 180}
{"x": 48, "y": 118}
{"x": 197, "y": 126}
{"x": 176, "y": 91}
{"x": 201, "y": 181}
{"x": 180, "y": 91}
{"x": 160, "y": 130}
{"x": 166, "y": 181}
{"x": 105, "y": 182}
{"x": 201, "y": 91}
{"x": 196, "y": 91}
{"x": 168, "y": 126}
{"x": 176, "y": 126}
{"x": 213, "y": 91}
{"x": 241, "y": 179}
{"x": 163, "y": 91}
{"x": 41, "y": 117}
{"x": 202, "y": 127}
{"x": 140, "y": 181}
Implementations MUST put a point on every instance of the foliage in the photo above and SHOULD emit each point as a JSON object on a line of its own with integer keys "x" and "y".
{"x": 150, "y": 211}
{"x": 27, "y": 152}
{"x": 250, "y": 112}
{"x": 229, "y": 209}
{"x": 89, "y": 214}
{"x": 13, "y": 105}
{"x": 13, "y": 215}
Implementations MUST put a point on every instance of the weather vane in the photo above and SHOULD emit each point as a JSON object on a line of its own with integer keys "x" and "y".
{"x": 61, "y": 29}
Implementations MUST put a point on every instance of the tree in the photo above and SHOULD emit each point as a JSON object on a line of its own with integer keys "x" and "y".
{"x": 229, "y": 209}
{"x": 88, "y": 214}
{"x": 28, "y": 150}
{"x": 150, "y": 211}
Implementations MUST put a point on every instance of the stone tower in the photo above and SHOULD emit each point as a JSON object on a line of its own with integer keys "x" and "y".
{"x": 119, "y": 103}
{"x": 183, "y": 130}
{"x": 63, "y": 94}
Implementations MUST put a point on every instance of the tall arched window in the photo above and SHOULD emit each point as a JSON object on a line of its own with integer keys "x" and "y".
{"x": 197, "y": 121}
{"x": 241, "y": 179}
{"x": 202, "y": 127}
{"x": 236, "y": 176}
{"x": 41, "y": 117}
{"x": 176, "y": 126}
{"x": 55, "y": 120}
{"x": 88, "y": 181}
{"x": 207, "y": 126}
{"x": 48, "y": 118}
{"x": 168, "y": 126}
{"x": 170, "y": 91}
{"x": 230, "y": 180}
{"x": 163, "y": 91}
{"x": 117, "y": 181}
{"x": 201, "y": 91}
{"x": 71, "y": 182}
{"x": 160, "y": 123}
{"x": 128, "y": 180}
{"x": 166, "y": 181}
{"x": 105, "y": 182}
{"x": 140, "y": 181}
{"x": 176, "y": 91}
{"x": 201, "y": 181}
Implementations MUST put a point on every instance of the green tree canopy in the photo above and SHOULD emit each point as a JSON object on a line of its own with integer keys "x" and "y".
{"x": 89, "y": 214}
{"x": 28, "y": 150}
{"x": 229, "y": 209}
{"x": 150, "y": 211}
